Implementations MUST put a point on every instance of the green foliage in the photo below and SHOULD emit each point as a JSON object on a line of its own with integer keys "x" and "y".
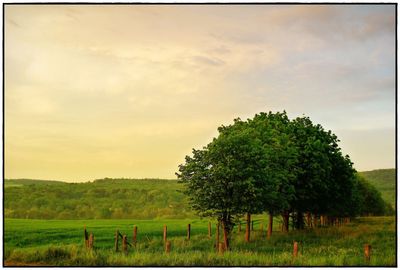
{"x": 270, "y": 162}
{"x": 106, "y": 198}
{"x": 222, "y": 179}
{"x": 60, "y": 243}
{"x": 281, "y": 155}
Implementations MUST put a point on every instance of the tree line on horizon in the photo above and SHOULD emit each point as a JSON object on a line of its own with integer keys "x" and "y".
{"x": 292, "y": 168}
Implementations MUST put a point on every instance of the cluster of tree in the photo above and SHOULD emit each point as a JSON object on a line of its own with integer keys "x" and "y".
{"x": 270, "y": 163}
{"x": 101, "y": 199}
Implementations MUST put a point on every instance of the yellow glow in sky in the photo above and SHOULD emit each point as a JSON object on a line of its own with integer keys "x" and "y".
{"x": 127, "y": 91}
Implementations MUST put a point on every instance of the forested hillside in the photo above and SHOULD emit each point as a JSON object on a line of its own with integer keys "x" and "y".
{"x": 385, "y": 181}
{"x": 107, "y": 198}
{"x": 121, "y": 198}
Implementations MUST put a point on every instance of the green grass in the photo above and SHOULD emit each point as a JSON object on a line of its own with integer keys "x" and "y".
{"x": 60, "y": 243}
{"x": 385, "y": 181}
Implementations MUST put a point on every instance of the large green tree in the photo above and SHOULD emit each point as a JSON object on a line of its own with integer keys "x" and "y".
{"x": 222, "y": 180}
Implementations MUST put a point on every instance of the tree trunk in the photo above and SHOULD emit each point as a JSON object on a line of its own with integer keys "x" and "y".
{"x": 247, "y": 235}
{"x": 270, "y": 221}
{"x": 299, "y": 221}
{"x": 285, "y": 223}
{"x": 226, "y": 239}
{"x": 315, "y": 219}
{"x": 309, "y": 221}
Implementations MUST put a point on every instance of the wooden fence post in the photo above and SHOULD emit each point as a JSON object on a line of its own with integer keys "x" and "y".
{"x": 367, "y": 252}
{"x": 188, "y": 232}
{"x": 295, "y": 248}
{"x": 217, "y": 235}
{"x": 85, "y": 235}
{"x": 91, "y": 241}
{"x": 165, "y": 233}
{"x": 124, "y": 244}
{"x": 134, "y": 237}
{"x": 209, "y": 229}
{"x": 167, "y": 247}
{"x": 116, "y": 240}
{"x": 248, "y": 225}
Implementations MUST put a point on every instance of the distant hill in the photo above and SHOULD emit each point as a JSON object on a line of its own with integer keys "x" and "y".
{"x": 385, "y": 181}
{"x": 121, "y": 198}
{"x": 103, "y": 198}
{"x": 20, "y": 182}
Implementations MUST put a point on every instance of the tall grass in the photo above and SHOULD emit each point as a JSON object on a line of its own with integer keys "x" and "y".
{"x": 333, "y": 246}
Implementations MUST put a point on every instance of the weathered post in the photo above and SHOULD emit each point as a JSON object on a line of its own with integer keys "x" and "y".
{"x": 165, "y": 233}
{"x": 295, "y": 248}
{"x": 217, "y": 235}
{"x": 134, "y": 237}
{"x": 116, "y": 240}
{"x": 91, "y": 241}
{"x": 188, "y": 232}
{"x": 85, "y": 235}
{"x": 167, "y": 247}
{"x": 124, "y": 244}
{"x": 247, "y": 235}
{"x": 367, "y": 252}
{"x": 209, "y": 229}
{"x": 221, "y": 248}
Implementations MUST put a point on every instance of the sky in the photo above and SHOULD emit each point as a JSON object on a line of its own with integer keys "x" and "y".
{"x": 94, "y": 91}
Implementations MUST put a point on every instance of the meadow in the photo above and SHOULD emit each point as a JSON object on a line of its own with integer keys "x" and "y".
{"x": 60, "y": 243}
{"x": 44, "y": 222}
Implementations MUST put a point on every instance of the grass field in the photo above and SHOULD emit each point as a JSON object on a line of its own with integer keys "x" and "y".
{"x": 60, "y": 243}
